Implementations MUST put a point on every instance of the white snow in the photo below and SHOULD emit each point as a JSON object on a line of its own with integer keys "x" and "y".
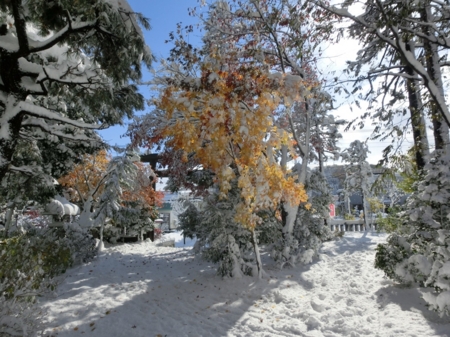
{"x": 144, "y": 290}
{"x": 61, "y": 206}
{"x": 69, "y": 208}
{"x": 179, "y": 240}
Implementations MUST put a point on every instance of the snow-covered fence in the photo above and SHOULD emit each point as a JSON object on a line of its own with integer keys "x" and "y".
{"x": 343, "y": 225}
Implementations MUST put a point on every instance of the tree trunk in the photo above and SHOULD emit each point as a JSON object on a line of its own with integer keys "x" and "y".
{"x": 10, "y": 120}
{"x": 9, "y": 135}
{"x": 101, "y": 232}
{"x": 440, "y": 127}
{"x": 325, "y": 216}
{"x": 366, "y": 222}
{"x": 85, "y": 220}
{"x": 8, "y": 218}
{"x": 289, "y": 216}
{"x": 421, "y": 147}
{"x": 347, "y": 200}
{"x": 257, "y": 255}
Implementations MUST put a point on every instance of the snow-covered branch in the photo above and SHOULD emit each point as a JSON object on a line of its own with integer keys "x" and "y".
{"x": 57, "y": 130}
{"x": 37, "y": 111}
{"x": 70, "y": 28}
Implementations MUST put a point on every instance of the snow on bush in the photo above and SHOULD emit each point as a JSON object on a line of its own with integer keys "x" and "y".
{"x": 30, "y": 265}
{"x": 222, "y": 239}
{"x": 419, "y": 252}
{"x": 310, "y": 229}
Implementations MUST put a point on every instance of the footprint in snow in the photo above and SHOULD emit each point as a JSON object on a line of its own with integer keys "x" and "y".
{"x": 317, "y": 306}
{"x": 313, "y": 323}
{"x": 278, "y": 297}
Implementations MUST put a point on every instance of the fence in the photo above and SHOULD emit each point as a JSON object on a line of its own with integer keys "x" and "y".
{"x": 350, "y": 225}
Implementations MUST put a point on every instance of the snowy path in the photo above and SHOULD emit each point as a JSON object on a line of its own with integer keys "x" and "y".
{"x": 144, "y": 290}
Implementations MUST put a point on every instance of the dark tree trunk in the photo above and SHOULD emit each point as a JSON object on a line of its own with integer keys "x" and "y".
{"x": 421, "y": 147}
{"x": 440, "y": 127}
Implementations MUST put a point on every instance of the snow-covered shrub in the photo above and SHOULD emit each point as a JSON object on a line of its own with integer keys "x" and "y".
{"x": 33, "y": 219}
{"x": 81, "y": 243}
{"x": 310, "y": 233}
{"x": 31, "y": 258}
{"x": 420, "y": 249}
{"x": 222, "y": 240}
{"x": 391, "y": 254}
{"x": 30, "y": 263}
{"x": 270, "y": 229}
{"x": 28, "y": 266}
{"x": 19, "y": 316}
{"x": 310, "y": 227}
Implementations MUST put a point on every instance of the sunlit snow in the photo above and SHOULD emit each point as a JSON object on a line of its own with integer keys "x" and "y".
{"x": 142, "y": 289}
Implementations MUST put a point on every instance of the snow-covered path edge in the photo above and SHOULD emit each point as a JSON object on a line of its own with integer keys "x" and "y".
{"x": 143, "y": 290}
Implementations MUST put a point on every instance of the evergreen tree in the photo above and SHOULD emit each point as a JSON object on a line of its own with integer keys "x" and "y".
{"x": 220, "y": 238}
{"x": 189, "y": 221}
{"x": 358, "y": 173}
{"x": 67, "y": 68}
{"x": 121, "y": 174}
{"x": 418, "y": 251}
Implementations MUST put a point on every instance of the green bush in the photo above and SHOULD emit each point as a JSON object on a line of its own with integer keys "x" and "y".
{"x": 29, "y": 259}
{"x": 392, "y": 223}
{"x": 30, "y": 264}
{"x": 349, "y": 216}
{"x": 389, "y": 255}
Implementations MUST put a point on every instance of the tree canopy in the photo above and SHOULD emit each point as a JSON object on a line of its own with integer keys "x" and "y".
{"x": 67, "y": 69}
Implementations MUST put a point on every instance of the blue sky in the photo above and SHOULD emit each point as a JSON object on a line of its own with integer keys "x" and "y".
{"x": 164, "y": 16}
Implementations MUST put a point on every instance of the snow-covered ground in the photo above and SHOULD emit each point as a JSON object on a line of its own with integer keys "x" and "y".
{"x": 144, "y": 290}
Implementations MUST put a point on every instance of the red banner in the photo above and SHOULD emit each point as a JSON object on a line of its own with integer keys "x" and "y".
{"x": 332, "y": 210}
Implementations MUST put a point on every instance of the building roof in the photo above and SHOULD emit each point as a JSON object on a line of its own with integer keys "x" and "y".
{"x": 165, "y": 207}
